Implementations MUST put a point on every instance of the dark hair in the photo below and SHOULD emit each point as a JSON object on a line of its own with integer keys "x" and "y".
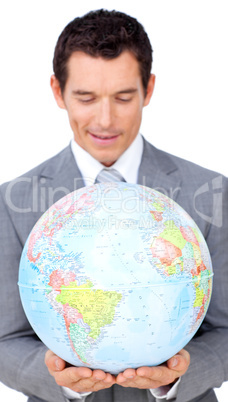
{"x": 106, "y": 34}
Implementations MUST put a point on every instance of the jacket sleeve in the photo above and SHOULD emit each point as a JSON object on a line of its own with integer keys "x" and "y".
{"x": 21, "y": 352}
{"x": 209, "y": 348}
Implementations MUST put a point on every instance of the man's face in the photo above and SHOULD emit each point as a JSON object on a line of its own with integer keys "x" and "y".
{"x": 104, "y": 101}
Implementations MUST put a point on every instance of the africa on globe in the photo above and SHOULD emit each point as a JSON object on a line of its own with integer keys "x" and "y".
{"x": 115, "y": 276}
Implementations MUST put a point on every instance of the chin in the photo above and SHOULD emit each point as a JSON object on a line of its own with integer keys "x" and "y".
{"x": 106, "y": 162}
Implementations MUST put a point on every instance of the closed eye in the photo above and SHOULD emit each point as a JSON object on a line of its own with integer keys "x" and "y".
{"x": 126, "y": 95}
{"x": 86, "y": 100}
{"x": 123, "y": 99}
{"x": 84, "y": 96}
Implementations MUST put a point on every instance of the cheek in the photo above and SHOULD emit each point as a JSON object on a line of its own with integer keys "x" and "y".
{"x": 133, "y": 118}
{"x": 78, "y": 117}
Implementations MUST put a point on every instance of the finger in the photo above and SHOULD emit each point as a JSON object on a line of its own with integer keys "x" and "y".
{"x": 71, "y": 376}
{"x": 154, "y": 373}
{"x": 109, "y": 379}
{"x": 159, "y": 375}
{"x": 179, "y": 362}
{"x": 128, "y": 374}
{"x": 137, "y": 382}
{"x": 101, "y": 376}
{"x": 126, "y": 377}
{"x": 82, "y": 379}
{"x": 53, "y": 362}
{"x": 98, "y": 375}
{"x": 120, "y": 379}
{"x": 83, "y": 372}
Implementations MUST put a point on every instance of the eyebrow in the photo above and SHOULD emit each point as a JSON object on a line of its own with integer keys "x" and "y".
{"x": 82, "y": 92}
{"x": 127, "y": 91}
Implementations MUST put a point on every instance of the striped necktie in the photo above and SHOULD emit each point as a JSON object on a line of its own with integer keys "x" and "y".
{"x": 109, "y": 175}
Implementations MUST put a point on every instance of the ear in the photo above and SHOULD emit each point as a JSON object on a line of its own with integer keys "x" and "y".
{"x": 57, "y": 92}
{"x": 150, "y": 90}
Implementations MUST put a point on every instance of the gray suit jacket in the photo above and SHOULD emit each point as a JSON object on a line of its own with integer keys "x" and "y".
{"x": 202, "y": 193}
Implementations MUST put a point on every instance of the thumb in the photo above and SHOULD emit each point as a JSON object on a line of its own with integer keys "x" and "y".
{"x": 179, "y": 362}
{"x": 53, "y": 362}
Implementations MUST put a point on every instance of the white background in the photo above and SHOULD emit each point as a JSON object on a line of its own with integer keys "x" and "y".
{"x": 188, "y": 112}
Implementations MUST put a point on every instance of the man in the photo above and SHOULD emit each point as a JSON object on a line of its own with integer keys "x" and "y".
{"x": 102, "y": 77}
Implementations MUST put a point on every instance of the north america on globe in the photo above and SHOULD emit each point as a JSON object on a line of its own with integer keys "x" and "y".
{"x": 115, "y": 275}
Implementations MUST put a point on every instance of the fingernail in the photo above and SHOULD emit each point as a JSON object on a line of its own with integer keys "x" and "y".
{"x": 174, "y": 362}
{"x": 57, "y": 365}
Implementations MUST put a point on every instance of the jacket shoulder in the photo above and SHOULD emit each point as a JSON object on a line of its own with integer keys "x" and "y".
{"x": 48, "y": 168}
{"x": 25, "y": 198}
{"x": 183, "y": 167}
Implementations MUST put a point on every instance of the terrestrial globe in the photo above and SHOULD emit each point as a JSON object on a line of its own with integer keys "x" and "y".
{"x": 115, "y": 275}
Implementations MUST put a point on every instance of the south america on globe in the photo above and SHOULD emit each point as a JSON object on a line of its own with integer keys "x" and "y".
{"x": 115, "y": 276}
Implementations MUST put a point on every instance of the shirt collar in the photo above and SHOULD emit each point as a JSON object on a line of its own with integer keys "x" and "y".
{"x": 127, "y": 164}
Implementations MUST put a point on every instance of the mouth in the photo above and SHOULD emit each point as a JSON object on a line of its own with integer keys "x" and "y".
{"x": 103, "y": 139}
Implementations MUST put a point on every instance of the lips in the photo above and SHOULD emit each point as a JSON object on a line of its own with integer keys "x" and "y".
{"x": 103, "y": 139}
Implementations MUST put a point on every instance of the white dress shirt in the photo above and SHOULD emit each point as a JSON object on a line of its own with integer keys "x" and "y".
{"x": 128, "y": 166}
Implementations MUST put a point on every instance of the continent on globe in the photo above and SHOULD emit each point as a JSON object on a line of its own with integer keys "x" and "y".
{"x": 84, "y": 312}
{"x": 112, "y": 266}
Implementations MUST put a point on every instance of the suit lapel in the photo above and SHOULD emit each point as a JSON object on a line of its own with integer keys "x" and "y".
{"x": 158, "y": 171}
{"x": 60, "y": 177}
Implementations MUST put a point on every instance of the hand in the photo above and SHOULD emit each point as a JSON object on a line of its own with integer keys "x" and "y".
{"x": 154, "y": 377}
{"x": 79, "y": 379}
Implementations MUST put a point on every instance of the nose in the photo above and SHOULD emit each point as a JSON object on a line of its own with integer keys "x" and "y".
{"x": 105, "y": 114}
